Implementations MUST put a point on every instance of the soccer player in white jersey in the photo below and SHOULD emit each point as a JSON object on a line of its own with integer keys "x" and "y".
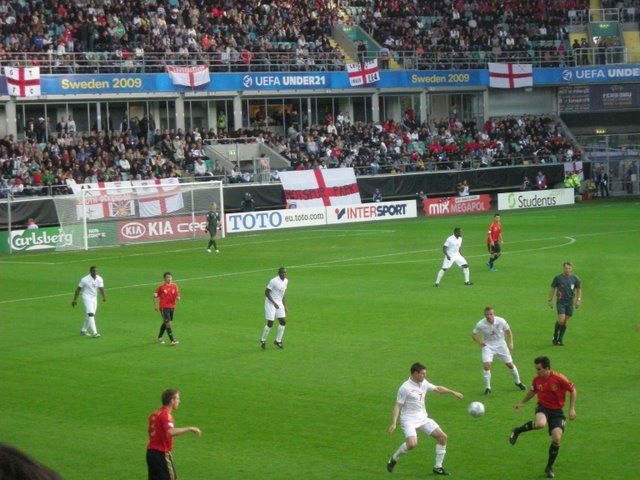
{"x": 490, "y": 333}
{"x": 452, "y": 250}
{"x": 90, "y": 285}
{"x": 410, "y": 406}
{"x": 275, "y": 307}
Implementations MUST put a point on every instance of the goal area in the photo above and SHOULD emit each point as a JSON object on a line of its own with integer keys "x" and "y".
{"x": 139, "y": 211}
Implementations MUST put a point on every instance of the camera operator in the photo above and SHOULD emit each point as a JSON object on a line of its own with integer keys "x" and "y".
{"x": 247, "y": 204}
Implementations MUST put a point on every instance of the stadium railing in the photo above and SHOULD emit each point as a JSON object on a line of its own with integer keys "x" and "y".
{"x": 545, "y": 54}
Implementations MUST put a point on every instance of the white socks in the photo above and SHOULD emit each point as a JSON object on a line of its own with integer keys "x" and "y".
{"x": 486, "y": 374}
{"x": 441, "y": 450}
{"x": 515, "y": 374}
{"x": 401, "y": 451}
{"x": 265, "y": 333}
{"x": 280, "y": 333}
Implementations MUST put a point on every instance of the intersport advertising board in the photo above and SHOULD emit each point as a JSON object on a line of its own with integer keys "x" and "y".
{"x": 435, "y": 207}
{"x": 369, "y": 212}
{"x": 536, "y": 199}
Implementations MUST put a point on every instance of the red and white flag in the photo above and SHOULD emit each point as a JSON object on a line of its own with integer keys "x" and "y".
{"x": 189, "y": 76}
{"x": 23, "y": 82}
{"x": 574, "y": 167}
{"x": 317, "y": 188}
{"x": 159, "y": 197}
{"x": 99, "y": 202}
{"x": 510, "y": 75}
{"x": 363, "y": 73}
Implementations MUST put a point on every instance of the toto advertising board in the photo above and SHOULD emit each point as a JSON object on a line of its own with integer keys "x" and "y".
{"x": 161, "y": 229}
{"x": 371, "y": 211}
{"x": 536, "y": 199}
{"x": 435, "y": 207}
{"x": 274, "y": 219}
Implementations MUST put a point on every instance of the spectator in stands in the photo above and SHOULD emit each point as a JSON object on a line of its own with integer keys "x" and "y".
{"x": 377, "y": 196}
{"x": 31, "y": 224}
{"x": 463, "y": 189}
{"x": 17, "y": 465}
{"x": 199, "y": 168}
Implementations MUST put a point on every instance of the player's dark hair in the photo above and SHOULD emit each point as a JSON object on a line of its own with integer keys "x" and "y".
{"x": 168, "y": 395}
{"x": 282, "y": 269}
{"x": 567, "y": 263}
{"x": 417, "y": 367}
{"x": 486, "y": 309}
{"x": 165, "y": 274}
{"x": 93, "y": 267}
{"x": 544, "y": 361}
{"x": 17, "y": 465}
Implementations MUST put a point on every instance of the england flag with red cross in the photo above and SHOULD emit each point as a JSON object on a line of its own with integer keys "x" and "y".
{"x": 321, "y": 187}
{"x": 363, "y": 73}
{"x": 23, "y": 82}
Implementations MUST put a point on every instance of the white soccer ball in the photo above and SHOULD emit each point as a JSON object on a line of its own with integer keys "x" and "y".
{"x": 476, "y": 409}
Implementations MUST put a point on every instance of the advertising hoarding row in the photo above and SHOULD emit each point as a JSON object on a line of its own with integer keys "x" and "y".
{"x": 316, "y": 216}
{"x": 235, "y": 82}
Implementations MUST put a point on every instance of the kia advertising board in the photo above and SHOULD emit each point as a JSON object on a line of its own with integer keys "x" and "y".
{"x": 161, "y": 229}
{"x": 435, "y": 207}
{"x": 371, "y": 212}
{"x": 536, "y": 199}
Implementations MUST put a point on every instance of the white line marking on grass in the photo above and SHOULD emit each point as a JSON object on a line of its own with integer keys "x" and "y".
{"x": 327, "y": 233}
{"x": 332, "y": 263}
{"x": 10, "y": 262}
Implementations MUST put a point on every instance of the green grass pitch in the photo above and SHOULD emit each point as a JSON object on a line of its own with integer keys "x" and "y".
{"x": 362, "y": 309}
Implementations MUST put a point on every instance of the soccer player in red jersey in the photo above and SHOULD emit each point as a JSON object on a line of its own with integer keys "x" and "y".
{"x": 164, "y": 299}
{"x": 551, "y": 388}
{"x": 161, "y": 432}
{"x": 494, "y": 241}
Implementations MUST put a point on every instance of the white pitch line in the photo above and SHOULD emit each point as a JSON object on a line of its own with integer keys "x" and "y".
{"x": 332, "y": 263}
{"x": 425, "y": 260}
{"x": 192, "y": 249}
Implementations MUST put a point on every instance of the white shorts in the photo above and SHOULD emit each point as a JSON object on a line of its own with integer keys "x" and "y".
{"x": 457, "y": 259}
{"x": 271, "y": 312}
{"x": 410, "y": 429}
{"x": 500, "y": 351}
{"x": 90, "y": 304}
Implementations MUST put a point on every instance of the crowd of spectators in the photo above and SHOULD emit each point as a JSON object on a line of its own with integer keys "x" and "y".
{"x": 445, "y": 144}
{"x": 135, "y": 34}
{"x": 138, "y": 151}
{"x": 281, "y": 35}
{"x": 462, "y": 33}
